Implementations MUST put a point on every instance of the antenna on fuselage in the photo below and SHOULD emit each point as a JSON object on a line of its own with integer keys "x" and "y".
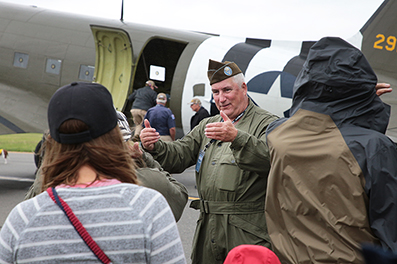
{"x": 122, "y": 10}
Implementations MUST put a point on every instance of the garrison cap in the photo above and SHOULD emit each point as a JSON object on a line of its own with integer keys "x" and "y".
{"x": 219, "y": 71}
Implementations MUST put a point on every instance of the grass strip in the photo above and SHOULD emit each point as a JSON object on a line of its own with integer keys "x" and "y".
{"x": 22, "y": 142}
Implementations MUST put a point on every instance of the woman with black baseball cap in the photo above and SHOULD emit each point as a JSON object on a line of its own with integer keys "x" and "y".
{"x": 92, "y": 210}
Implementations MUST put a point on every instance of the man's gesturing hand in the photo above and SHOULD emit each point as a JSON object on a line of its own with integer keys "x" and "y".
{"x": 149, "y": 136}
{"x": 223, "y": 131}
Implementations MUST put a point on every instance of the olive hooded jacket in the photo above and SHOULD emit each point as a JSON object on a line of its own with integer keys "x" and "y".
{"x": 333, "y": 179}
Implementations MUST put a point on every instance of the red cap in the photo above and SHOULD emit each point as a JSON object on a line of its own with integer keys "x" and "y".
{"x": 251, "y": 254}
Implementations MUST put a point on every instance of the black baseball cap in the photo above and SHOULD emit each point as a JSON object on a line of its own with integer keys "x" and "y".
{"x": 90, "y": 103}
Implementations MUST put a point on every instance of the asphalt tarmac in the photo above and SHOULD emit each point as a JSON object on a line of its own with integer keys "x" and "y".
{"x": 18, "y": 175}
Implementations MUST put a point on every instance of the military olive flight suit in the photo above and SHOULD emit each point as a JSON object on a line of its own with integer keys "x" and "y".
{"x": 231, "y": 184}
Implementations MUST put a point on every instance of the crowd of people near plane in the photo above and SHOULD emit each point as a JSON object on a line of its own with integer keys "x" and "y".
{"x": 318, "y": 187}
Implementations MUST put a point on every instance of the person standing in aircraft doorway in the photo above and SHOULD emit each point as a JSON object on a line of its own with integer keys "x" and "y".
{"x": 142, "y": 99}
{"x": 200, "y": 114}
{"x": 232, "y": 164}
{"x": 162, "y": 118}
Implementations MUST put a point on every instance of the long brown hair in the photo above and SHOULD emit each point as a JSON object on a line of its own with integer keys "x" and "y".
{"x": 108, "y": 155}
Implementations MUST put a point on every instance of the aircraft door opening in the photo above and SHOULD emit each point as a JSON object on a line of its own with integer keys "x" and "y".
{"x": 161, "y": 60}
{"x": 113, "y": 63}
{"x": 158, "y": 61}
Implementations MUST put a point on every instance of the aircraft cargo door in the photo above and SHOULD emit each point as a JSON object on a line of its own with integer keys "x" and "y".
{"x": 113, "y": 63}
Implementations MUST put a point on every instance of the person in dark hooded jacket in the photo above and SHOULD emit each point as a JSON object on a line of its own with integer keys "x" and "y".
{"x": 333, "y": 178}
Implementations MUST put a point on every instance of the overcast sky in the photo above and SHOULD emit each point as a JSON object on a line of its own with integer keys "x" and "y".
{"x": 269, "y": 19}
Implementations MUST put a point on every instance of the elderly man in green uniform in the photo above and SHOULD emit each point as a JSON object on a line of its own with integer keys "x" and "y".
{"x": 232, "y": 164}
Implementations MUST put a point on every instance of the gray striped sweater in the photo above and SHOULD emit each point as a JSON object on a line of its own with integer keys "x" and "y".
{"x": 130, "y": 223}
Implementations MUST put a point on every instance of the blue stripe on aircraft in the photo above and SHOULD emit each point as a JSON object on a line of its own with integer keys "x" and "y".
{"x": 264, "y": 81}
{"x": 10, "y": 125}
{"x": 242, "y": 54}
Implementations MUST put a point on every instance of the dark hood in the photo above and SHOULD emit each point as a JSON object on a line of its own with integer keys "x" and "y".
{"x": 337, "y": 80}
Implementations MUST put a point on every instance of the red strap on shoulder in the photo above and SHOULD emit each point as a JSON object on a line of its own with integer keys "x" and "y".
{"x": 79, "y": 226}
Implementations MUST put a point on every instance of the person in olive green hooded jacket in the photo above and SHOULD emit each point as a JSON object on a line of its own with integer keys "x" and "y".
{"x": 232, "y": 164}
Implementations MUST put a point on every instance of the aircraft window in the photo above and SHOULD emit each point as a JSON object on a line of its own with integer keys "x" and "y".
{"x": 21, "y": 60}
{"x": 53, "y": 66}
{"x": 86, "y": 73}
{"x": 199, "y": 89}
{"x": 157, "y": 73}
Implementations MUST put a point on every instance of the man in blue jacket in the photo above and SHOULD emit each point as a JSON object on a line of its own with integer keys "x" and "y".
{"x": 162, "y": 119}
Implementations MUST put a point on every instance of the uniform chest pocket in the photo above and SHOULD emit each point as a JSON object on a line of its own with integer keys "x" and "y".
{"x": 228, "y": 174}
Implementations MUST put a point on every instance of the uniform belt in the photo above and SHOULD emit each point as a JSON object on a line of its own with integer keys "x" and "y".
{"x": 223, "y": 207}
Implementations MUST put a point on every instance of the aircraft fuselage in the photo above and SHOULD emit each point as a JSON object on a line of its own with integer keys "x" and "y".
{"x": 42, "y": 50}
